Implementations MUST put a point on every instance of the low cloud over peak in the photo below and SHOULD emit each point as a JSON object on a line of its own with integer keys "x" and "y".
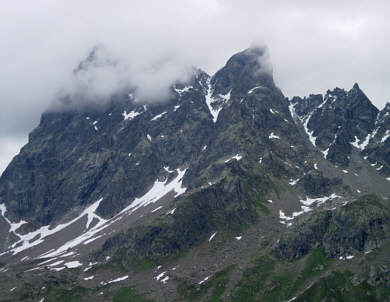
{"x": 314, "y": 47}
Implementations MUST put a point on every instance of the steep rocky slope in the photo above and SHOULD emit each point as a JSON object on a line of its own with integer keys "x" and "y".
{"x": 225, "y": 191}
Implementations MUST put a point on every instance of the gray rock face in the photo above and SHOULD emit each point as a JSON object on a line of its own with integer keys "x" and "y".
{"x": 249, "y": 164}
{"x": 378, "y": 149}
{"x": 360, "y": 226}
{"x": 118, "y": 150}
{"x": 337, "y": 120}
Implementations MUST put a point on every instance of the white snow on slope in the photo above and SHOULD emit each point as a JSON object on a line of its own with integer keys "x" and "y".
{"x": 386, "y": 136}
{"x": 90, "y": 212}
{"x": 56, "y": 263}
{"x": 158, "y": 190}
{"x": 237, "y": 157}
{"x": 161, "y": 275}
{"x": 272, "y": 135}
{"x": 309, "y": 201}
{"x": 183, "y": 90}
{"x": 73, "y": 264}
{"x": 363, "y": 144}
{"x": 204, "y": 280}
{"x": 171, "y": 212}
{"x": 226, "y": 96}
{"x": 293, "y": 182}
{"x": 165, "y": 280}
{"x": 325, "y": 153}
{"x": 159, "y": 116}
{"x": 115, "y": 280}
{"x": 210, "y": 100}
{"x": 212, "y": 236}
{"x": 156, "y": 209}
{"x": 284, "y": 217}
{"x": 253, "y": 89}
{"x": 309, "y": 134}
{"x": 306, "y": 203}
{"x": 25, "y": 241}
{"x": 130, "y": 115}
{"x": 293, "y": 113}
{"x": 12, "y": 225}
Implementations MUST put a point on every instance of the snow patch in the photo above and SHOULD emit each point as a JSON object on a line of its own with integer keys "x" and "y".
{"x": 363, "y": 144}
{"x": 253, "y": 89}
{"x": 325, "y": 153}
{"x": 25, "y": 241}
{"x": 386, "y": 136}
{"x": 272, "y": 135}
{"x": 158, "y": 190}
{"x": 12, "y": 225}
{"x": 73, "y": 264}
{"x": 306, "y": 203}
{"x": 159, "y": 116}
{"x": 171, "y": 212}
{"x": 310, "y": 134}
{"x": 115, "y": 280}
{"x": 237, "y": 157}
{"x": 210, "y": 100}
{"x": 156, "y": 209}
{"x": 204, "y": 280}
{"x": 309, "y": 201}
{"x": 129, "y": 116}
{"x": 184, "y": 90}
{"x": 212, "y": 236}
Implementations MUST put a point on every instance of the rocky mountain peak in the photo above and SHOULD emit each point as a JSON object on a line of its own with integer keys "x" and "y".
{"x": 176, "y": 195}
{"x": 97, "y": 57}
{"x": 243, "y": 71}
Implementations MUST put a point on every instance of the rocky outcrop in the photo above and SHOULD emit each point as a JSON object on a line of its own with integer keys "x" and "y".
{"x": 358, "y": 226}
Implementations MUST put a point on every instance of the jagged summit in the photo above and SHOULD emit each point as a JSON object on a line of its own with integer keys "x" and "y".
{"x": 99, "y": 56}
{"x": 243, "y": 71}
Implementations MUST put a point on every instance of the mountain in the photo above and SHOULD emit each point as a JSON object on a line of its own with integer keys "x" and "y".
{"x": 225, "y": 191}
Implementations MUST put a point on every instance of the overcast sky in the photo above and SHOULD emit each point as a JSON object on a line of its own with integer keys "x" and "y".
{"x": 314, "y": 47}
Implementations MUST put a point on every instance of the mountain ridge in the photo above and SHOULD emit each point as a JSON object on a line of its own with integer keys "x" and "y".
{"x": 132, "y": 186}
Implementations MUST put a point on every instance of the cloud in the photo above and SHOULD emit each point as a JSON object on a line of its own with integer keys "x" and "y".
{"x": 313, "y": 47}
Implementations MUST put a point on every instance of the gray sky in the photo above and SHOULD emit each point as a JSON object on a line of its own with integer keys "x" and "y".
{"x": 313, "y": 46}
